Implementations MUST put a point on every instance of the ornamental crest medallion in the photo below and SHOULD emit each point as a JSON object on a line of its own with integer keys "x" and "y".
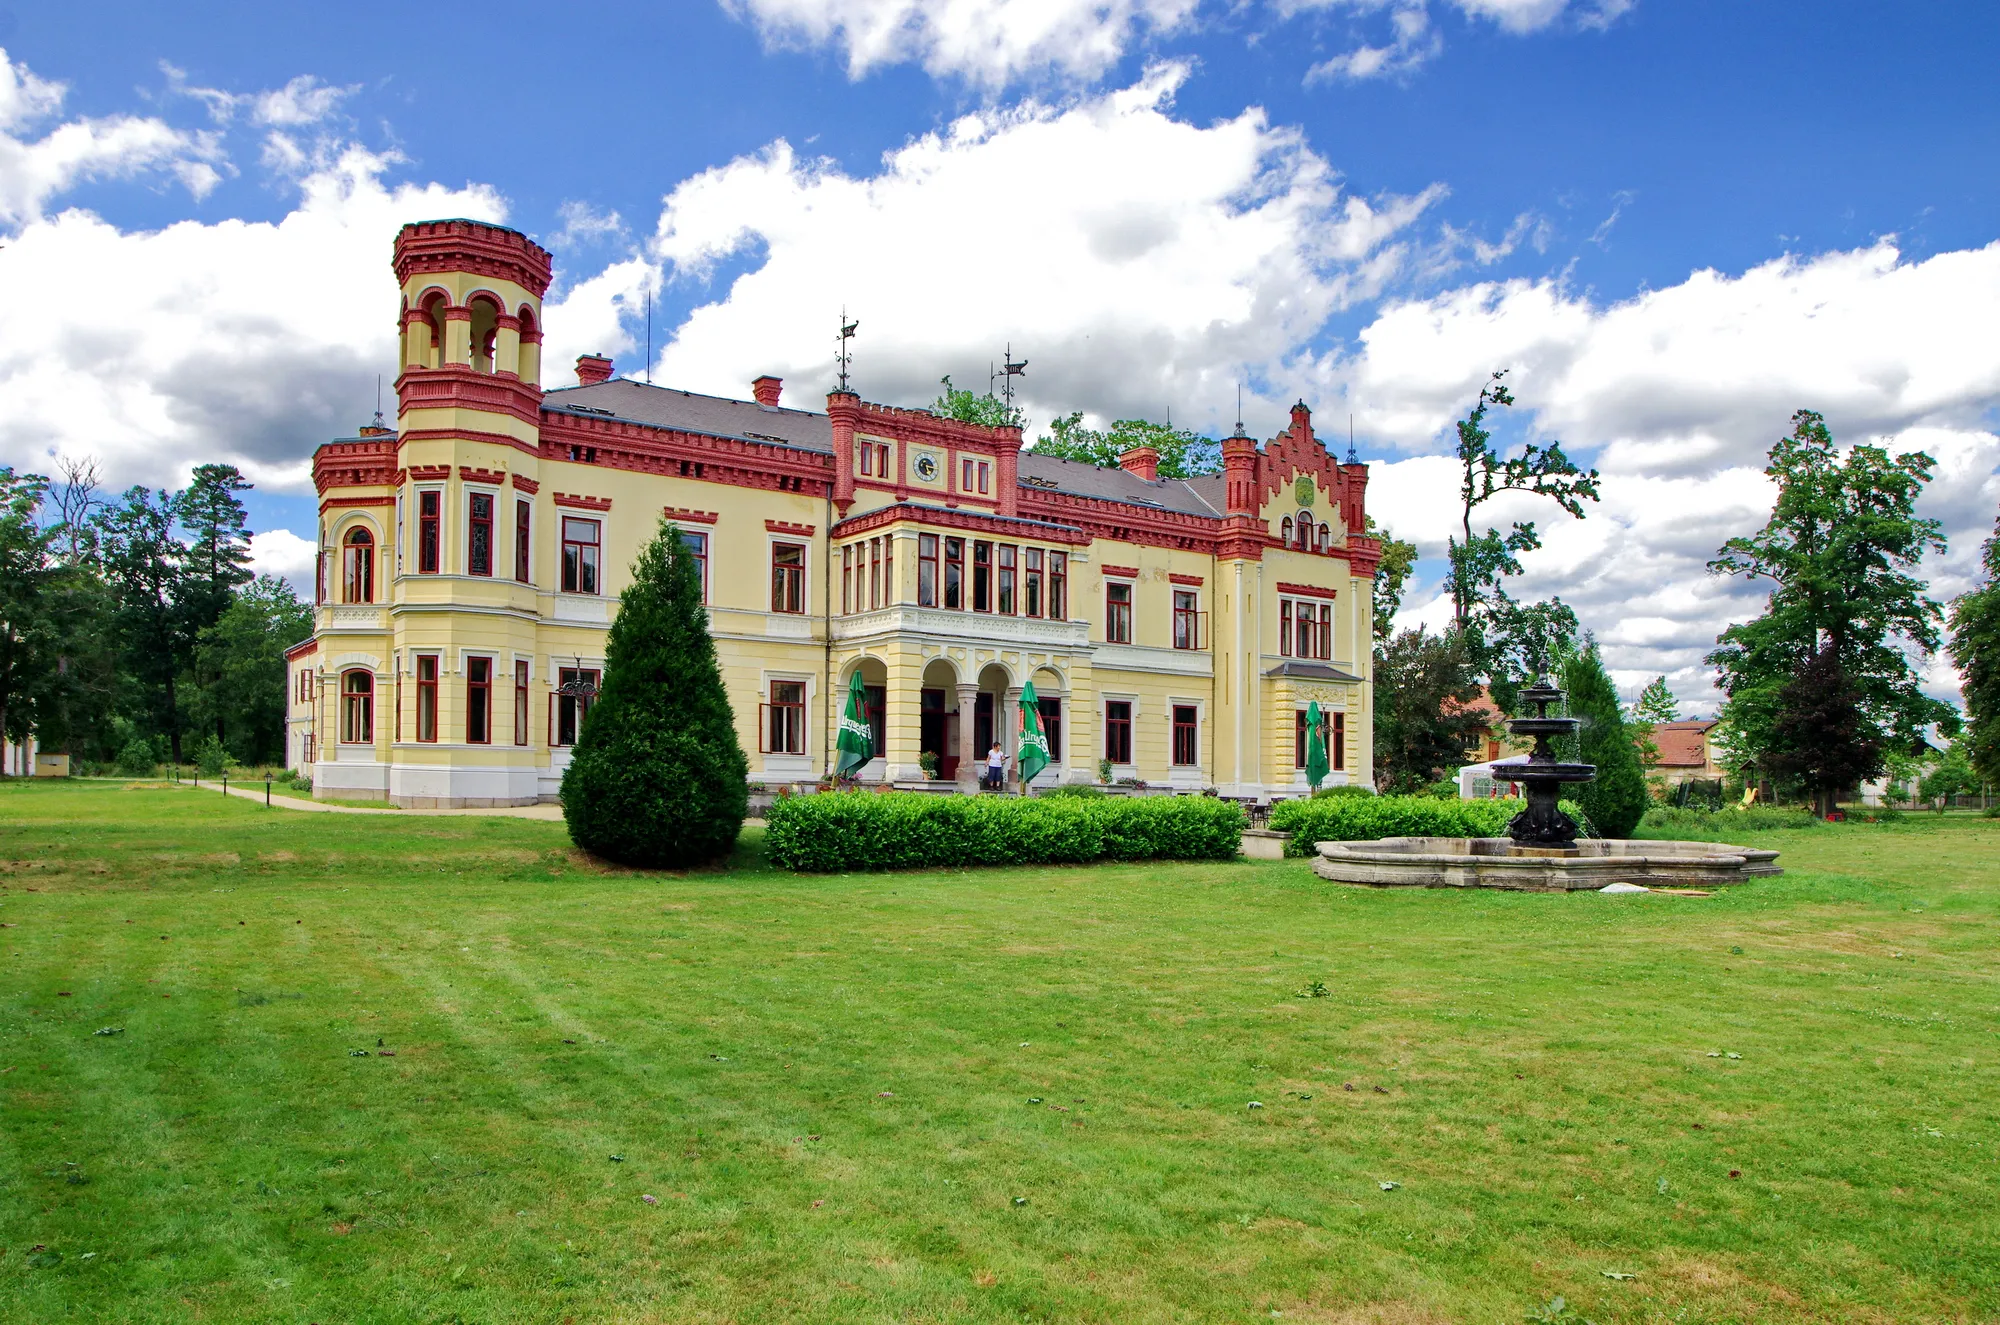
{"x": 1303, "y": 490}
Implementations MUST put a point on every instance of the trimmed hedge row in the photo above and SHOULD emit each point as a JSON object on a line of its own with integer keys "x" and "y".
{"x": 1364, "y": 818}
{"x": 860, "y": 830}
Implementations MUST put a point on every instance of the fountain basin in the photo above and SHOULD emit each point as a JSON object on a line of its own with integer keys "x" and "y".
{"x": 1495, "y": 862}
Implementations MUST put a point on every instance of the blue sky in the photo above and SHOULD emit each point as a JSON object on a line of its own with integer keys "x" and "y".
{"x": 1369, "y": 203}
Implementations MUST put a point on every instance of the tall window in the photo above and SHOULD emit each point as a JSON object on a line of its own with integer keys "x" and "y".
{"x": 965, "y": 476}
{"x": 427, "y": 697}
{"x": 580, "y": 550}
{"x": 524, "y": 545}
{"x": 1285, "y": 531}
{"x": 785, "y": 719}
{"x": 1031, "y": 581}
{"x": 1336, "y": 741}
{"x": 1117, "y": 613}
{"x": 1058, "y": 586}
{"x": 1118, "y": 730}
{"x": 357, "y": 707}
{"x": 1305, "y": 628}
{"x": 1007, "y": 554}
{"x": 479, "y": 701}
{"x": 954, "y": 573}
{"x": 985, "y": 474}
{"x": 927, "y": 570}
{"x": 1186, "y": 750}
{"x": 847, "y": 579}
{"x": 430, "y": 507}
{"x": 874, "y": 573}
{"x": 697, "y": 546}
{"x": 788, "y": 577}
{"x": 479, "y": 534}
{"x": 576, "y": 691}
{"x": 1187, "y": 622}
{"x": 1052, "y": 725}
{"x": 888, "y": 569}
{"x": 358, "y": 566}
{"x": 982, "y": 576}
{"x": 520, "y": 701}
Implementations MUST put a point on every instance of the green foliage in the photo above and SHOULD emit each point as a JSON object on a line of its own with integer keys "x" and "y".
{"x": 1344, "y": 789}
{"x": 211, "y": 757}
{"x": 1526, "y": 641}
{"x": 1952, "y": 776}
{"x": 28, "y": 649}
{"x": 1819, "y": 739}
{"x": 968, "y": 407}
{"x": 1183, "y": 453}
{"x": 1480, "y": 564}
{"x": 1839, "y": 551}
{"x": 1398, "y": 560}
{"x": 1616, "y": 799}
{"x": 1698, "y": 823}
{"x": 1075, "y": 789}
{"x": 1423, "y": 729}
{"x": 658, "y": 779}
{"x": 1975, "y": 651}
{"x": 243, "y": 665}
{"x": 838, "y": 831}
{"x": 1365, "y": 818}
{"x": 1656, "y": 703}
{"x": 137, "y": 759}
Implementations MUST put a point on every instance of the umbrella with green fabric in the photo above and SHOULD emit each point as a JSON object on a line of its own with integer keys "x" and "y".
{"x": 1316, "y": 765}
{"x": 1034, "y": 755}
{"x": 856, "y": 743}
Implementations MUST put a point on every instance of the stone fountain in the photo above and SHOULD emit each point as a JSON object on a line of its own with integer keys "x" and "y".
{"x": 1541, "y": 852}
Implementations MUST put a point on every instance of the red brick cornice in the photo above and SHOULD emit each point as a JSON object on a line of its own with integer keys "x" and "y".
{"x": 680, "y": 515}
{"x": 429, "y": 473}
{"x": 468, "y": 474}
{"x": 332, "y": 503}
{"x": 472, "y": 246}
{"x": 1121, "y": 572}
{"x": 1191, "y": 581}
{"x": 940, "y": 517}
{"x": 579, "y": 502}
{"x": 1306, "y": 590}
{"x": 364, "y": 464}
{"x": 527, "y": 485}
{"x": 787, "y": 527}
{"x": 461, "y": 386}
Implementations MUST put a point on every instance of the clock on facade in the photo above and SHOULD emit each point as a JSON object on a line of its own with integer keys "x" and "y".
{"x": 927, "y": 467}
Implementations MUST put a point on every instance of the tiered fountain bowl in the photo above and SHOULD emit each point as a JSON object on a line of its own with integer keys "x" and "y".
{"x": 1541, "y": 852}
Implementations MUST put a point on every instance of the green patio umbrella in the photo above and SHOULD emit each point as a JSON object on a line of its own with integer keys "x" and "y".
{"x": 1034, "y": 754}
{"x": 856, "y": 744}
{"x": 1316, "y": 766}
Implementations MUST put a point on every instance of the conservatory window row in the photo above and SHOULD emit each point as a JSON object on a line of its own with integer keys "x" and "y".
{"x": 568, "y": 706}
{"x": 980, "y": 575}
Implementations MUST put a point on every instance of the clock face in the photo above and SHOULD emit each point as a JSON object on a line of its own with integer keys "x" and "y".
{"x": 927, "y": 468}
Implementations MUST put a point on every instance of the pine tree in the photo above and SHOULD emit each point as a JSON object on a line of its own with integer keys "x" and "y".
{"x": 658, "y": 779}
{"x": 1975, "y": 650}
{"x": 1617, "y": 798}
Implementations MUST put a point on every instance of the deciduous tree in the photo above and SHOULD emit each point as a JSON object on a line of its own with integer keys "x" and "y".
{"x": 1183, "y": 453}
{"x": 1813, "y": 741}
{"x": 1424, "y": 725}
{"x": 27, "y": 649}
{"x": 1398, "y": 560}
{"x": 1975, "y": 651}
{"x": 1616, "y": 799}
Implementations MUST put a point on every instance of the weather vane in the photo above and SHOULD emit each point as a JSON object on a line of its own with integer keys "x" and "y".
{"x": 843, "y": 356}
{"x": 1352, "y": 458}
{"x": 1009, "y": 370}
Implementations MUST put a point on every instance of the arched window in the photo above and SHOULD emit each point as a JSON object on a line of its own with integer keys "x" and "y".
{"x": 1285, "y": 531}
{"x": 1325, "y": 537}
{"x": 433, "y": 307}
{"x": 1305, "y": 531}
{"x": 485, "y": 333}
{"x": 358, "y": 566}
{"x": 531, "y": 347}
{"x": 357, "y": 708}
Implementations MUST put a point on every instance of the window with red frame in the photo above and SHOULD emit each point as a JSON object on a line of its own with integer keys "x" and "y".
{"x": 479, "y": 534}
{"x": 357, "y": 708}
{"x": 847, "y": 580}
{"x": 788, "y": 577}
{"x": 358, "y": 569}
{"x": 1187, "y": 620}
{"x": 927, "y": 570}
{"x": 520, "y": 701}
{"x": 785, "y": 719}
{"x": 581, "y": 548}
{"x": 1118, "y": 730}
{"x": 697, "y": 546}
{"x": 1117, "y": 612}
{"x": 1007, "y": 572}
{"x": 427, "y": 697}
{"x": 1332, "y": 730}
{"x": 982, "y": 576}
{"x": 985, "y": 471}
{"x": 479, "y": 701}
{"x": 874, "y": 573}
{"x": 1187, "y": 752}
{"x": 523, "y": 541}
{"x": 954, "y": 573}
{"x": 1058, "y": 586}
{"x": 430, "y": 532}
{"x": 1032, "y": 582}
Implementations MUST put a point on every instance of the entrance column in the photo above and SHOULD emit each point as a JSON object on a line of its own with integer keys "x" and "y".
{"x": 968, "y": 758}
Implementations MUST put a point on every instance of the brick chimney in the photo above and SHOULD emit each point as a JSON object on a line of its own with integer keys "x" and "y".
{"x": 1141, "y": 460}
{"x": 592, "y": 369}
{"x": 766, "y": 389}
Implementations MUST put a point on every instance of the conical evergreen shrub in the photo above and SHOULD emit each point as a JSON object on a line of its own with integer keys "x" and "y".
{"x": 658, "y": 779}
{"x": 1617, "y": 799}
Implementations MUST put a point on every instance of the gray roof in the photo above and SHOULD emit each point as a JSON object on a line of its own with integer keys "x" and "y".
{"x": 1311, "y": 671}
{"x": 666, "y": 407}
{"x": 718, "y": 416}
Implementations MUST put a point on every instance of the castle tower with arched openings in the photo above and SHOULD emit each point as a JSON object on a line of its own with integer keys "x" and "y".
{"x": 1175, "y": 629}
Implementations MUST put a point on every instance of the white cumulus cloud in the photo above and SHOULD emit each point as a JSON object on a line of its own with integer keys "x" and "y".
{"x": 1139, "y": 261}
{"x": 36, "y": 169}
{"x": 987, "y": 42}
{"x": 1410, "y": 32}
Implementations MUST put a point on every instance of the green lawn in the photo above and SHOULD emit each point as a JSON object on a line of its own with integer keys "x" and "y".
{"x": 986, "y": 1096}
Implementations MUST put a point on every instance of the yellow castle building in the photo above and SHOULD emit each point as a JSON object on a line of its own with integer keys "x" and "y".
{"x": 470, "y": 562}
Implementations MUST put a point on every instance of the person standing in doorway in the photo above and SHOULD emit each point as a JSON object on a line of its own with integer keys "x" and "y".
{"x": 996, "y": 768}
